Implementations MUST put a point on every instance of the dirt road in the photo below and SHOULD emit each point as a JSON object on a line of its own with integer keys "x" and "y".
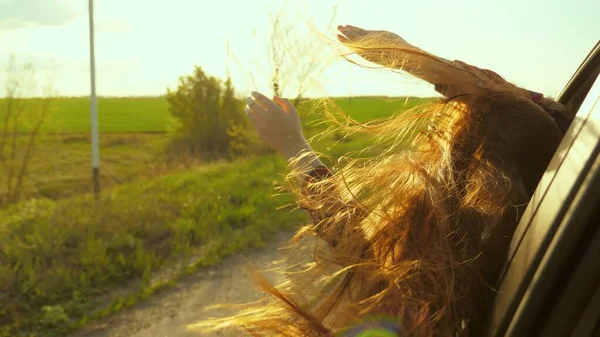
{"x": 168, "y": 313}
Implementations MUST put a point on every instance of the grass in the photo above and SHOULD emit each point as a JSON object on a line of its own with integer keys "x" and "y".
{"x": 365, "y": 109}
{"x": 61, "y": 251}
{"x": 62, "y": 165}
{"x": 61, "y": 255}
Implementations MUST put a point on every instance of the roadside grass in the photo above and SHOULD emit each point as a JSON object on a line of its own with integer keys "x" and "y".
{"x": 61, "y": 166}
{"x": 58, "y": 256}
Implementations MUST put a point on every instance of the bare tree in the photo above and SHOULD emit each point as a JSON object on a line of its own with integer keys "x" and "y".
{"x": 294, "y": 58}
{"x": 23, "y": 112}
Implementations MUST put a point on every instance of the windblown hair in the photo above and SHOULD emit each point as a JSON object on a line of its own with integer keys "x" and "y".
{"x": 417, "y": 233}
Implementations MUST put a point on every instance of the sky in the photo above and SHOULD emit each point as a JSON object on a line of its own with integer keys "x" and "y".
{"x": 144, "y": 46}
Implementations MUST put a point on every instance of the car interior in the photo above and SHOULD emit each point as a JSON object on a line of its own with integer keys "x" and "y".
{"x": 549, "y": 285}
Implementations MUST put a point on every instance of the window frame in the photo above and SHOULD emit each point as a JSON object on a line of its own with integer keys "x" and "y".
{"x": 550, "y": 220}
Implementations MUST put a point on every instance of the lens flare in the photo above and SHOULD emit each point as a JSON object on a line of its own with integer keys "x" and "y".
{"x": 379, "y": 327}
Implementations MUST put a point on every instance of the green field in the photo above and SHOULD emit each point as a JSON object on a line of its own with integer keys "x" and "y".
{"x": 151, "y": 114}
{"x": 114, "y": 114}
{"x": 61, "y": 251}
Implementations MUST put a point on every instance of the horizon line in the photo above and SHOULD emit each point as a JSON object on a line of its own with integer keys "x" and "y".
{"x": 162, "y": 96}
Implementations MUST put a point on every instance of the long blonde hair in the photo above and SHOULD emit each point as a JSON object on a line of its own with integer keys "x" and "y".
{"x": 417, "y": 233}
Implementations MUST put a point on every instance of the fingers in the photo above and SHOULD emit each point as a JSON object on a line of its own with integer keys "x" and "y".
{"x": 284, "y": 103}
{"x": 348, "y": 27}
{"x": 261, "y": 105}
{"x": 252, "y": 117}
{"x": 288, "y": 104}
{"x": 254, "y": 106}
{"x": 263, "y": 101}
{"x": 254, "y": 113}
{"x": 351, "y": 32}
{"x": 342, "y": 38}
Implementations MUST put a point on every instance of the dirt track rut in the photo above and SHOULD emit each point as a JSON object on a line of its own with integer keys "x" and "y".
{"x": 168, "y": 313}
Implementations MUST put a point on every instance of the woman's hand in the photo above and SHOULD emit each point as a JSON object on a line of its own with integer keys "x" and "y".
{"x": 378, "y": 46}
{"x": 351, "y": 34}
{"x": 277, "y": 123}
{"x": 363, "y": 42}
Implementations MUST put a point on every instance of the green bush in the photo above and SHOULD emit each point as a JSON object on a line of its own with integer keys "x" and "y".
{"x": 210, "y": 119}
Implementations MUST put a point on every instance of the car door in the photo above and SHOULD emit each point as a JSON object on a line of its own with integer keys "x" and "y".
{"x": 550, "y": 283}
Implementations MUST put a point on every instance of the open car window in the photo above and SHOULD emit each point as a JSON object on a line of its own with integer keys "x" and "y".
{"x": 556, "y": 221}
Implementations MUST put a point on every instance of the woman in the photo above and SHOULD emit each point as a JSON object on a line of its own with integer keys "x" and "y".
{"x": 417, "y": 236}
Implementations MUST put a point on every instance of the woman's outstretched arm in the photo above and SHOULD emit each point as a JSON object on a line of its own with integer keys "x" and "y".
{"x": 389, "y": 50}
{"x": 278, "y": 125}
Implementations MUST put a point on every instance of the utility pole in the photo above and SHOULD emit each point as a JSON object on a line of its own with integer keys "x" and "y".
{"x": 94, "y": 108}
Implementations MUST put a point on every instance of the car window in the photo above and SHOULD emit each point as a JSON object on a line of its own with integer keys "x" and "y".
{"x": 542, "y": 218}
